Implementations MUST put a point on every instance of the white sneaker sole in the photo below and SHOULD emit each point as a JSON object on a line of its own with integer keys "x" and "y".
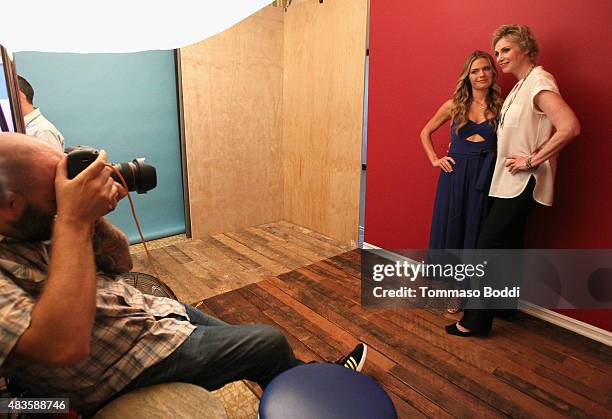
{"x": 363, "y": 358}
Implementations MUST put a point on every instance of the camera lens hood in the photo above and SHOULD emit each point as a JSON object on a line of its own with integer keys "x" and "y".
{"x": 146, "y": 176}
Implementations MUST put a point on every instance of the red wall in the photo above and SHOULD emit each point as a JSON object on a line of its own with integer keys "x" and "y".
{"x": 416, "y": 53}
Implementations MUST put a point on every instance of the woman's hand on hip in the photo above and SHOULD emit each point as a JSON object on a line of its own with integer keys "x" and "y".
{"x": 516, "y": 163}
{"x": 444, "y": 163}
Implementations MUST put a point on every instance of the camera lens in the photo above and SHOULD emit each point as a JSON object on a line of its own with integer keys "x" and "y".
{"x": 139, "y": 176}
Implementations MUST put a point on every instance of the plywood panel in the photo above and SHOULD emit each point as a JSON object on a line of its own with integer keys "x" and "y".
{"x": 324, "y": 55}
{"x": 232, "y": 96}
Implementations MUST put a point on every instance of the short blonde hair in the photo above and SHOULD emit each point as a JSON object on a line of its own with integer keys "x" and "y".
{"x": 521, "y": 34}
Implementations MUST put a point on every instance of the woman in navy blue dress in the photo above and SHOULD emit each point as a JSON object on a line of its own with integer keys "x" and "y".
{"x": 463, "y": 186}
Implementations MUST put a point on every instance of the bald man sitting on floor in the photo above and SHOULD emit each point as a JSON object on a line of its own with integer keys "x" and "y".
{"x": 69, "y": 328}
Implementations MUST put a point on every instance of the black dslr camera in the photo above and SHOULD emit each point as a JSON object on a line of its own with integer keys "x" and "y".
{"x": 138, "y": 175}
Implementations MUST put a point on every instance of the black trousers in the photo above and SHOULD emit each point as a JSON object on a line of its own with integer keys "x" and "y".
{"x": 503, "y": 228}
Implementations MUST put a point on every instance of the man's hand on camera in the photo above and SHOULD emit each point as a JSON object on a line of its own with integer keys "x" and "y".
{"x": 87, "y": 197}
{"x": 119, "y": 194}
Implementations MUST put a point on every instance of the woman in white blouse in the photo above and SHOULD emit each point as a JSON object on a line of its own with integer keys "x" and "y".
{"x": 535, "y": 125}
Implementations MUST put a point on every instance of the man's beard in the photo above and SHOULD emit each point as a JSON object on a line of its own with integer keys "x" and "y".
{"x": 35, "y": 224}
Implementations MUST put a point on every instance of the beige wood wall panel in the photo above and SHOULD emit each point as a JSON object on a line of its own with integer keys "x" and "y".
{"x": 232, "y": 96}
{"x": 323, "y": 82}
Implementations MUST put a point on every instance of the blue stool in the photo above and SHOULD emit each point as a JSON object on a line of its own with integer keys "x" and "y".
{"x": 322, "y": 391}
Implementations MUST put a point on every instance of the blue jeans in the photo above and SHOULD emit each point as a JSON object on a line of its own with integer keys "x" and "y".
{"x": 217, "y": 353}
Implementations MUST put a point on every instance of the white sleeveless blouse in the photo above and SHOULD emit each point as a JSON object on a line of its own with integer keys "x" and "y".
{"x": 525, "y": 130}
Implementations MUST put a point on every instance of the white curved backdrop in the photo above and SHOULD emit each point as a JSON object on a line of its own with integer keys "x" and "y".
{"x": 117, "y": 25}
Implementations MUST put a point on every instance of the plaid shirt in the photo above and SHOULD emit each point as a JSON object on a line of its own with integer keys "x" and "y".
{"x": 132, "y": 331}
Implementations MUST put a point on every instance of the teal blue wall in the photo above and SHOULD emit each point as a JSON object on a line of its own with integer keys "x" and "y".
{"x": 127, "y": 105}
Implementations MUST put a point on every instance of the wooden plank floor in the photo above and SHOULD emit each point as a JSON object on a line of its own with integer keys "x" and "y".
{"x": 198, "y": 269}
{"x": 527, "y": 368}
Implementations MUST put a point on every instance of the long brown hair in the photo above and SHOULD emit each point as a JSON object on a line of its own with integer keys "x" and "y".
{"x": 462, "y": 97}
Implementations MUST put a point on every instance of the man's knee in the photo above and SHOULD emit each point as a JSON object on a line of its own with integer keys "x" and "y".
{"x": 274, "y": 340}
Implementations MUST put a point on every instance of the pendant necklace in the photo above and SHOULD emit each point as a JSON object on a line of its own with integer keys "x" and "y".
{"x": 503, "y": 117}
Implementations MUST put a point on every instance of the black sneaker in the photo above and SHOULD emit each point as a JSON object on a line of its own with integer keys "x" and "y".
{"x": 355, "y": 359}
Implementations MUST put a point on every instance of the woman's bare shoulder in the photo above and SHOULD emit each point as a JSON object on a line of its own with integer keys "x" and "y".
{"x": 447, "y": 106}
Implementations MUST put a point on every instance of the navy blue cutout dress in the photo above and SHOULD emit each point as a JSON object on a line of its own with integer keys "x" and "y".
{"x": 462, "y": 202}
